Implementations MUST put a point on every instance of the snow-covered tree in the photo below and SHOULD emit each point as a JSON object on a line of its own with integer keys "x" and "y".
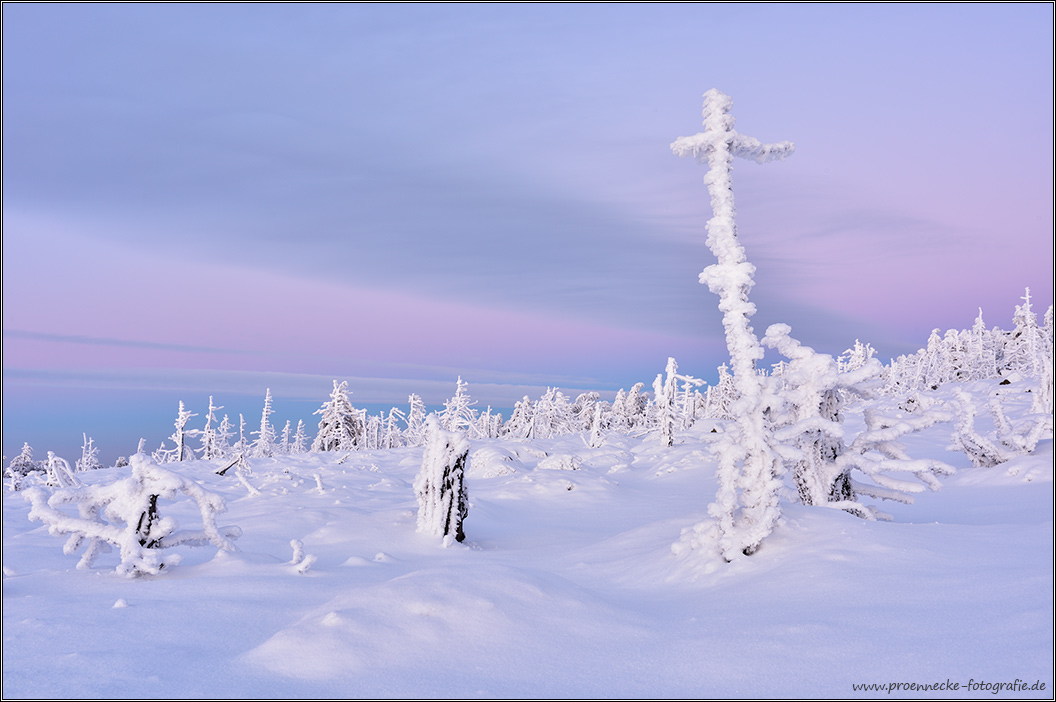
{"x": 21, "y": 466}
{"x": 982, "y": 351}
{"x": 519, "y": 425}
{"x": 634, "y": 407}
{"x": 392, "y": 437}
{"x": 210, "y": 441}
{"x": 285, "y": 438}
{"x": 551, "y": 416}
{"x": 855, "y": 357}
{"x": 371, "y": 430}
{"x": 596, "y": 425}
{"x": 264, "y": 446}
{"x": 89, "y": 459}
{"x": 224, "y": 432}
{"x": 583, "y": 410}
{"x": 300, "y": 439}
{"x": 665, "y": 396}
{"x": 440, "y": 487}
{"x": 720, "y": 397}
{"x": 458, "y": 414}
{"x": 1025, "y": 349}
{"x": 125, "y": 514}
{"x": 415, "y": 433}
{"x": 179, "y": 437}
{"x": 341, "y": 426}
{"x": 746, "y": 505}
{"x": 241, "y": 447}
{"x": 488, "y": 425}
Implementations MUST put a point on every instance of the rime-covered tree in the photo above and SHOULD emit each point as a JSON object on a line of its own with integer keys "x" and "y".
{"x": 551, "y": 416}
{"x": 300, "y": 439}
{"x": 371, "y": 430}
{"x": 1024, "y": 350}
{"x": 855, "y": 357}
{"x": 583, "y": 410}
{"x": 634, "y": 405}
{"x": 210, "y": 445}
{"x": 23, "y": 463}
{"x": 458, "y": 414}
{"x": 415, "y": 432}
{"x": 179, "y": 437}
{"x": 519, "y": 425}
{"x": 89, "y": 459}
{"x": 241, "y": 447}
{"x": 983, "y": 352}
{"x": 746, "y": 505}
{"x": 721, "y": 396}
{"x": 443, "y": 503}
{"x": 224, "y": 432}
{"x": 264, "y": 446}
{"x": 689, "y": 401}
{"x": 392, "y": 437}
{"x": 488, "y": 425}
{"x": 596, "y": 426}
{"x": 21, "y": 466}
{"x": 340, "y": 426}
{"x": 665, "y": 397}
{"x": 285, "y": 437}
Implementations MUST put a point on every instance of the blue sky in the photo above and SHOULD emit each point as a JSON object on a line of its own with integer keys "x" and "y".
{"x": 216, "y": 199}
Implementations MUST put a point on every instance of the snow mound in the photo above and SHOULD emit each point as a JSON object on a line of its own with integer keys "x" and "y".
{"x": 492, "y": 462}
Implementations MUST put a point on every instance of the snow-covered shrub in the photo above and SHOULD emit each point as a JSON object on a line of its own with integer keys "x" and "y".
{"x": 492, "y": 462}
{"x": 125, "y": 514}
{"x": 979, "y": 449}
{"x": 1011, "y": 436}
{"x": 877, "y": 452}
{"x": 440, "y": 485}
{"x": 243, "y": 470}
{"x": 561, "y": 461}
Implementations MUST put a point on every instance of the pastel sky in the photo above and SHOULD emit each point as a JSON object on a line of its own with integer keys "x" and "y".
{"x": 218, "y": 199}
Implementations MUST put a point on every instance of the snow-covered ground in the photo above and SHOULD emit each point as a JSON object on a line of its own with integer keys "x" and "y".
{"x": 566, "y": 586}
